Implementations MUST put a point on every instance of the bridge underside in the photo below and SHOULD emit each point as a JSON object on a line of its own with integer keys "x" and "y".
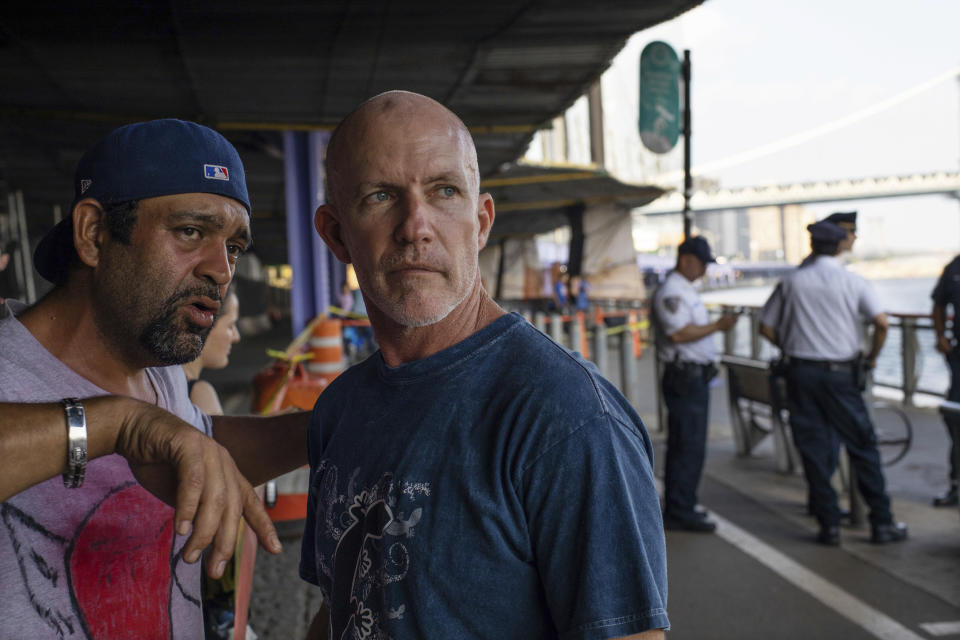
{"x": 71, "y": 71}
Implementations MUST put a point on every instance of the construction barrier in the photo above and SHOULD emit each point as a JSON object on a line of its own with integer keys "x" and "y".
{"x": 285, "y": 385}
{"x": 294, "y": 381}
{"x": 326, "y": 345}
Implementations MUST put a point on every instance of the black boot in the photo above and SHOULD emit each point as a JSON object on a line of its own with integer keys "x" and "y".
{"x": 891, "y": 532}
{"x": 949, "y": 499}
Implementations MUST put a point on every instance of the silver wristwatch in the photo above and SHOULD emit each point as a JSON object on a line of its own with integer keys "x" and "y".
{"x": 76, "y": 443}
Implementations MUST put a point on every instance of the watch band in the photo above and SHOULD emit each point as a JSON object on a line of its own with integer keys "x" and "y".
{"x": 76, "y": 443}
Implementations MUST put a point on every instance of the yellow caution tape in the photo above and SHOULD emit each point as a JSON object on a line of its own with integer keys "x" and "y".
{"x": 350, "y": 314}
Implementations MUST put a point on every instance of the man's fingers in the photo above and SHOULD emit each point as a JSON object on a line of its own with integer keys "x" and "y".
{"x": 210, "y": 494}
{"x": 256, "y": 516}
{"x": 225, "y": 540}
{"x": 191, "y": 478}
{"x": 213, "y": 500}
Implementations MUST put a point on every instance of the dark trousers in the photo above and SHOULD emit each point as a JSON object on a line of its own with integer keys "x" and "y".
{"x": 825, "y": 405}
{"x": 952, "y": 421}
{"x": 686, "y": 443}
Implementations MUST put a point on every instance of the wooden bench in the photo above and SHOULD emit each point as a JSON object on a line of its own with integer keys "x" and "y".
{"x": 757, "y": 402}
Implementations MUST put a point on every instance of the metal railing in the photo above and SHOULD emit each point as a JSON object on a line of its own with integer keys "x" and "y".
{"x": 908, "y": 350}
{"x": 621, "y": 326}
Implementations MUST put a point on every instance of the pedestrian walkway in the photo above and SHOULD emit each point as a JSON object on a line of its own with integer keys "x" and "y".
{"x": 760, "y": 575}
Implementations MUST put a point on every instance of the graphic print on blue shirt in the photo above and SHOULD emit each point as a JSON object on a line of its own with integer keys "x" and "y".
{"x": 366, "y": 525}
{"x": 369, "y": 523}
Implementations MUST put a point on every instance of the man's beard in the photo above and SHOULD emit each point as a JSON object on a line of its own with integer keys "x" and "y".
{"x": 166, "y": 341}
{"x": 395, "y": 303}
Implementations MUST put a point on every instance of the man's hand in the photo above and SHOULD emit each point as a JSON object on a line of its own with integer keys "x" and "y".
{"x": 943, "y": 344}
{"x": 192, "y": 472}
{"x": 726, "y": 321}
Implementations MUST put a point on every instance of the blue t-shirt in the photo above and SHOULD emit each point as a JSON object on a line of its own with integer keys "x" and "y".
{"x": 560, "y": 292}
{"x": 500, "y": 488}
{"x": 583, "y": 296}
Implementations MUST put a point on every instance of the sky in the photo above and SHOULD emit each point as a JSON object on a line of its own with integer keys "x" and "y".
{"x": 766, "y": 70}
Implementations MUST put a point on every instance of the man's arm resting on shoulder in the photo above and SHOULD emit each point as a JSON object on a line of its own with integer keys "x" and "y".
{"x": 880, "y": 327}
{"x": 264, "y": 447}
{"x": 692, "y": 332}
{"x": 653, "y": 634}
{"x": 169, "y": 457}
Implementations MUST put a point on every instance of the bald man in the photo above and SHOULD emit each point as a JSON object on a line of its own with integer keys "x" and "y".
{"x": 472, "y": 478}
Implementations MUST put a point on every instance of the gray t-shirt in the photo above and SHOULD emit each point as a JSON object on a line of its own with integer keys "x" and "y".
{"x": 101, "y": 561}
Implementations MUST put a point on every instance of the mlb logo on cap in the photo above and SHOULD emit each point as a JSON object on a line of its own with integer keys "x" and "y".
{"x": 215, "y": 172}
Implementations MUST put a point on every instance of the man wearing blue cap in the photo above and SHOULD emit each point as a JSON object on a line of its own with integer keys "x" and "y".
{"x": 159, "y": 219}
{"x": 814, "y": 316}
{"x": 685, "y": 344}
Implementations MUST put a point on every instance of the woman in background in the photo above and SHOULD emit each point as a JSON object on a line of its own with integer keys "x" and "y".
{"x": 215, "y": 355}
{"x": 218, "y": 595}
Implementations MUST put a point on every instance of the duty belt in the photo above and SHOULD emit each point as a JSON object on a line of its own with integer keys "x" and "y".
{"x": 687, "y": 365}
{"x": 845, "y": 366}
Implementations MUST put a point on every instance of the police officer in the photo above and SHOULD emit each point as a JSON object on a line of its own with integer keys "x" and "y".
{"x": 814, "y": 315}
{"x": 846, "y": 220}
{"x": 685, "y": 342}
{"x": 947, "y": 292}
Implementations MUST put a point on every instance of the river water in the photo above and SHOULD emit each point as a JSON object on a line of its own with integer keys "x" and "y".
{"x": 897, "y": 295}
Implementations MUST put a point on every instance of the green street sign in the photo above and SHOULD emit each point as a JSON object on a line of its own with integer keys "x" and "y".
{"x": 659, "y": 120}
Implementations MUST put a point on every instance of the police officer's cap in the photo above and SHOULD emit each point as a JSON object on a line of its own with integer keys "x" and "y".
{"x": 826, "y": 232}
{"x": 697, "y": 246}
{"x": 845, "y": 219}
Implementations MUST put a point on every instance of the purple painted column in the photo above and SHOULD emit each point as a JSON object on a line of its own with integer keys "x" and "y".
{"x": 317, "y": 274}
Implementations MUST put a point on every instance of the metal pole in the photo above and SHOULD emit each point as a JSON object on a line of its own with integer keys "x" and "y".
{"x": 908, "y": 358}
{"x": 556, "y": 328}
{"x": 755, "y": 334}
{"x": 15, "y": 261}
{"x": 29, "y": 285}
{"x": 501, "y": 263}
{"x": 628, "y": 367}
{"x": 783, "y": 232}
{"x": 729, "y": 338}
{"x": 687, "y": 178}
{"x": 575, "y": 335}
{"x": 595, "y": 108}
{"x": 540, "y": 321}
{"x": 658, "y": 389}
{"x": 601, "y": 357}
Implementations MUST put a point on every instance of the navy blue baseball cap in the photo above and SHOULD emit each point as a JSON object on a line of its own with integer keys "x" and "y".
{"x": 697, "y": 246}
{"x": 844, "y": 219}
{"x": 145, "y": 160}
{"x": 826, "y": 232}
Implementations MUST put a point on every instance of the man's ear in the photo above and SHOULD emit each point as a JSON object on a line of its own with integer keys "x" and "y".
{"x": 485, "y": 214}
{"x": 89, "y": 231}
{"x": 327, "y": 222}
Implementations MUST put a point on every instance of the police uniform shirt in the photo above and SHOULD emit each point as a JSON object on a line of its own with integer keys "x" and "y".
{"x": 947, "y": 291}
{"x": 818, "y": 309}
{"x": 677, "y": 304}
